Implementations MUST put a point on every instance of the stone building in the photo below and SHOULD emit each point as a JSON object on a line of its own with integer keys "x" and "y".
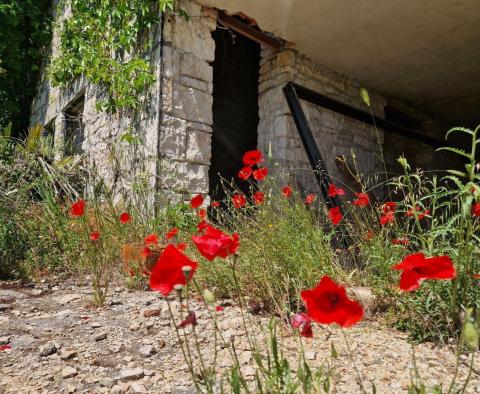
{"x": 218, "y": 91}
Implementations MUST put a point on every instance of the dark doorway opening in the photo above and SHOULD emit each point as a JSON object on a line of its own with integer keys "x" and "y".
{"x": 74, "y": 127}
{"x": 235, "y": 107}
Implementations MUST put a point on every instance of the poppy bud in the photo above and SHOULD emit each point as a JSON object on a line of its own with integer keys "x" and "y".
{"x": 365, "y": 96}
{"x": 178, "y": 289}
{"x": 187, "y": 272}
{"x": 208, "y": 296}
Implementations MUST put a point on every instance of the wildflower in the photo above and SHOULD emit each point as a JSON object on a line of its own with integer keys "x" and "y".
{"x": 124, "y": 217}
{"x": 260, "y": 174}
{"x": 389, "y": 207}
{"x": 181, "y": 246}
{"x": 362, "y": 200}
{"x": 171, "y": 233}
{"x": 215, "y": 243}
{"x": 476, "y": 209}
{"x": 416, "y": 267}
{"x": 146, "y": 252}
{"x": 191, "y": 319}
{"x": 310, "y": 198}
{"x": 219, "y": 308}
{"x": 245, "y": 173}
{"x": 287, "y": 191}
{"x": 335, "y": 191}
{"x": 400, "y": 241}
{"x": 303, "y": 322}
{"x": 215, "y": 204}
{"x": 328, "y": 303}
{"x": 239, "y": 200}
{"x": 387, "y": 218}
{"x": 94, "y": 235}
{"x": 258, "y": 198}
{"x": 252, "y": 158}
{"x": 335, "y": 215}
{"x": 421, "y": 214}
{"x": 167, "y": 272}
{"x": 78, "y": 208}
{"x": 151, "y": 239}
{"x": 196, "y": 201}
{"x": 202, "y": 225}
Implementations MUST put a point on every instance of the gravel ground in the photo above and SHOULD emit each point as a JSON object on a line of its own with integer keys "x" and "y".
{"x": 61, "y": 345}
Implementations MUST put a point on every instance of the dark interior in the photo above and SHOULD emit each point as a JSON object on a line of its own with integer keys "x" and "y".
{"x": 74, "y": 127}
{"x": 235, "y": 107}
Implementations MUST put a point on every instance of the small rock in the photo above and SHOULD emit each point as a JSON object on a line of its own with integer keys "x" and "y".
{"x": 69, "y": 372}
{"x": 147, "y": 350}
{"x": 151, "y": 312}
{"x": 118, "y": 389}
{"x": 95, "y": 324}
{"x": 310, "y": 355}
{"x": 106, "y": 382}
{"x": 48, "y": 349}
{"x": 134, "y": 327}
{"x": 160, "y": 343}
{"x": 138, "y": 387}
{"x": 70, "y": 389}
{"x": 100, "y": 337}
{"x": 131, "y": 374}
{"x": 67, "y": 354}
{"x": 4, "y": 307}
{"x": 249, "y": 371}
{"x": 36, "y": 292}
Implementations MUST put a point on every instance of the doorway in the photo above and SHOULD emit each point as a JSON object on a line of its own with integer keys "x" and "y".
{"x": 235, "y": 107}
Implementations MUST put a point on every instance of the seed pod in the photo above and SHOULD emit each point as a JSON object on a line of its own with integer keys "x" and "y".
{"x": 208, "y": 296}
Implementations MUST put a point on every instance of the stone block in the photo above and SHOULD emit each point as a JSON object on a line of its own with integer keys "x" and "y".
{"x": 192, "y": 104}
{"x": 173, "y": 134}
{"x": 196, "y": 68}
{"x": 196, "y": 178}
{"x": 199, "y": 147}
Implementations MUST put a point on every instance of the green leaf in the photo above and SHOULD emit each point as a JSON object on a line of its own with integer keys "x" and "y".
{"x": 459, "y": 129}
{"x": 455, "y": 150}
{"x": 458, "y": 173}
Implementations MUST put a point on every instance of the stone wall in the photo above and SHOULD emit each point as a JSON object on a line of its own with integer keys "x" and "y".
{"x": 335, "y": 134}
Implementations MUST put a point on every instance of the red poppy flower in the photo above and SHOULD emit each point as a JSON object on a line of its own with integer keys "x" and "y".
{"x": 244, "y": 173}
{"x": 5, "y": 347}
{"x": 421, "y": 215}
{"x": 94, "y": 235}
{"x": 400, "y": 241}
{"x": 215, "y": 243}
{"x": 335, "y": 191}
{"x": 78, "y": 208}
{"x": 476, "y": 209}
{"x": 215, "y": 204}
{"x": 196, "y": 201}
{"x": 362, "y": 200}
{"x": 171, "y": 233}
{"x": 239, "y": 200}
{"x": 258, "y": 198}
{"x": 287, "y": 191}
{"x": 191, "y": 319}
{"x": 219, "y": 308}
{"x": 181, "y": 246}
{"x": 124, "y": 217}
{"x": 260, "y": 174}
{"x": 151, "y": 239}
{"x": 328, "y": 303}
{"x": 167, "y": 272}
{"x": 252, "y": 158}
{"x": 389, "y": 207}
{"x": 387, "y": 218}
{"x": 335, "y": 215}
{"x": 416, "y": 267}
{"x": 202, "y": 213}
{"x": 476, "y": 276}
{"x": 304, "y": 323}
{"x": 310, "y": 198}
{"x": 202, "y": 225}
{"x": 146, "y": 252}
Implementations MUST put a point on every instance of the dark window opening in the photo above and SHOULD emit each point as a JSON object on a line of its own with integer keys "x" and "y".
{"x": 235, "y": 107}
{"x": 74, "y": 127}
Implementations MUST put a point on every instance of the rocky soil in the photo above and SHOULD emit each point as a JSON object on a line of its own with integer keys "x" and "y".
{"x": 53, "y": 342}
